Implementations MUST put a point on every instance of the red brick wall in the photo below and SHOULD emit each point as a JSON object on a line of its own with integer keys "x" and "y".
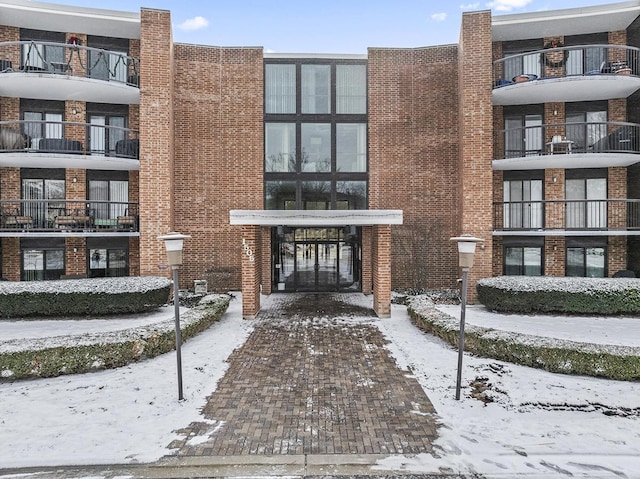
{"x": 367, "y": 257}
{"x": 382, "y": 270}
{"x": 476, "y": 140}
{"x": 10, "y": 258}
{"x": 219, "y": 149}
{"x": 75, "y": 256}
{"x": 413, "y": 152}
{"x": 554, "y": 256}
{"x": 250, "y": 256}
{"x": 156, "y": 185}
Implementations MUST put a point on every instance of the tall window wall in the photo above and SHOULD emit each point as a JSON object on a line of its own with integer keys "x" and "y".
{"x": 315, "y": 131}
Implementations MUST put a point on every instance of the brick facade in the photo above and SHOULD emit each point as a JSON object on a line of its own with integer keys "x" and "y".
{"x": 476, "y": 140}
{"x": 413, "y": 158}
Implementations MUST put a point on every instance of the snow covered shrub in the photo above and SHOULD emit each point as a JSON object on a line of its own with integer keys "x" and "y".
{"x": 83, "y": 297}
{"x": 569, "y": 295}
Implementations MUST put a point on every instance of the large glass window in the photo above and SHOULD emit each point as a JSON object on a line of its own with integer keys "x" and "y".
{"x": 351, "y": 89}
{"x": 585, "y": 129}
{"x": 523, "y": 208}
{"x": 279, "y": 88}
{"x": 42, "y": 264}
{"x": 586, "y": 262}
{"x": 105, "y": 132}
{"x": 316, "y": 89}
{"x": 45, "y": 200}
{"x": 523, "y": 261}
{"x": 39, "y": 125}
{"x": 280, "y": 147}
{"x": 109, "y": 199}
{"x": 523, "y": 136}
{"x": 316, "y": 195}
{"x": 104, "y": 262}
{"x": 351, "y": 195}
{"x": 316, "y": 147}
{"x": 280, "y": 195}
{"x": 586, "y": 205}
{"x": 351, "y": 147}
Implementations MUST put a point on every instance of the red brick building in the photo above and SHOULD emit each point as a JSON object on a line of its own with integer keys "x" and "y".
{"x": 319, "y": 172}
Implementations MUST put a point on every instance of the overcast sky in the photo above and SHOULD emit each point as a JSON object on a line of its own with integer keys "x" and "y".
{"x": 331, "y": 26}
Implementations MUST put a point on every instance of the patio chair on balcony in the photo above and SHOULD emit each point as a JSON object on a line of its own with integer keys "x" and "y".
{"x": 59, "y": 145}
{"x": 14, "y": 220}
{"x": 74, "y": 219}
{"x": 128, "y": 221}
{"x": 128, "y": 149}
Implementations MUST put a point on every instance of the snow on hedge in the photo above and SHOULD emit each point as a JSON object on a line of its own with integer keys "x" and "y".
{"x": 113, "y": 285}
{"x": 560, "y": 284}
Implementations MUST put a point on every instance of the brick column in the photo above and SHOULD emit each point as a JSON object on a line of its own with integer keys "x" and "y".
{"x": 617, "y": 254}
{"x": 265, "y": 249}
{"x": 554, "y": 213}
{"x": 79, "y": 60}
{"x": 251, "y": 263}
{"x": 10, "y": 259}
{"x": 156, "y": 174}
{"x": 382, "y": 270}
{"x": 475, "y": 70}
{"x": 75, "y": 256}
{"x": 367, "y": 255}
{"x": 617, "y": 210}
{"x": 554, "y": 256}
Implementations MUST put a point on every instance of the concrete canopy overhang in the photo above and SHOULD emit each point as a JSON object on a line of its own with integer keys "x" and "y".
{"x": 324, "y": 218}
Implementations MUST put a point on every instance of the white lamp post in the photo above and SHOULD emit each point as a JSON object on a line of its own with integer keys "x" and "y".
{"x": 173, "y": 243}
{"x": 466, "y": 251}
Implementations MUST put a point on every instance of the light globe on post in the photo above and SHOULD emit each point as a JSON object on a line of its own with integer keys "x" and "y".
{"x": 466, "y": 252}
{"x": 174, "y": 243}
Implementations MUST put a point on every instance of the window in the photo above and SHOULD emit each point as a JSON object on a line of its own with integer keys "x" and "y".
{"x": 351, "y": 89}
{"x": 586, "y": 262}
{"x": 105, "y": 132}
{"x": 316, "y": 91}
{"x": 39, "y": 52}
{"x": 109, "y": 199}
{"x": 584, "y": 127}
{"x": 279, "y": 88}
{"x": 316, "y": 147}
{"x": 581, "y": 61}
{"x": 523, "y": 207}
{"x": 586, "y": 202}
{"x": 105, "y": 262}
{"x": 107, "y": 58}
{"x": 315, "y": 135}
{"x": 523, "y": 135}
{"x": 351, "y": 147}
{"x": 39, "y": 125}
{"x": 280, "y": 147}
{"x": 523, "y": 261}
{"x": 42, "y": 264}
{"x": 49, "y": 194}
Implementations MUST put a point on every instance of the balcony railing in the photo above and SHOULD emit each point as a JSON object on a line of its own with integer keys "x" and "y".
{"x": 567, "y": 61}
{"x": 69, "y": 59}
{"x": 49, "y": 137}
{"x": 575, "y": 137}
{"x": 597, "y": 215}
{"x": 68, "y": 216}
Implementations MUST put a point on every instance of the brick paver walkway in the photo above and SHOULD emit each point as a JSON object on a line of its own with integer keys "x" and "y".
{"x": 313, "y": 377}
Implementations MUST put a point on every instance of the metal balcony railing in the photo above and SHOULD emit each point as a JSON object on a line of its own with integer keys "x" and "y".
{"x": 68, "y": 215}
{"x": 50, "y": 137}
{"x": 69, "y": 59}
{"x": 566, "y": 61}
{"x": 603, "y": 215}
{"x": 574, "y": 137}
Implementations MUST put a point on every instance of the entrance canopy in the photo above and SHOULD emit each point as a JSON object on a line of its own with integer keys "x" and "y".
{"x": 315, "y": 217}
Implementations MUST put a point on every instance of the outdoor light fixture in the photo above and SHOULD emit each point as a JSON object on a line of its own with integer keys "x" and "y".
{"x": 173, "y": 243}
{"x": 466, "y": 251}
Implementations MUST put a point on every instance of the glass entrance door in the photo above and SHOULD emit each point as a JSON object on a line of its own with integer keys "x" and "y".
{"x": 316, "y": 259}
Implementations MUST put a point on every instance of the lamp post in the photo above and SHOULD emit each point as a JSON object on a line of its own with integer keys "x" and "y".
{"x": 466, "y": 251}
{"x": 173, "y": 243}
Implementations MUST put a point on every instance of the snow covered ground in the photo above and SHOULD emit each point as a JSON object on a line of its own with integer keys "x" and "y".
{"x": 537, "y": 424}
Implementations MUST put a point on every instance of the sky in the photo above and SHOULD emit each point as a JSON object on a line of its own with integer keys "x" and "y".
{"x": 331, "y": 26}
{"x": 539, "y": 424}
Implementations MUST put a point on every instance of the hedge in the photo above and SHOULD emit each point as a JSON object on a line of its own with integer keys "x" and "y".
{"x": 554, "y": 355}
{"x": 49, "y": 357}
{"x": 544, "y": 294}
{"x": 83, "y": 297}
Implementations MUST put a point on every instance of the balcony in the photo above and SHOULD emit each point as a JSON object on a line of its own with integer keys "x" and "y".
{"x": 42, "y": 144}
{"x": 60, "y": 71}
{"x": 567, "y": 145}
{"x": 567, "y": 74}
{"x": 609, "y": 217}
{"x": 59, "y": 217}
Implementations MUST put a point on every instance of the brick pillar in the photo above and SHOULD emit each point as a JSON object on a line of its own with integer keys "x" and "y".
{"x": 476, "y": 140}
{"x": 156, "y": 175}
{"x": 554, "y": 61}
{"x": 265, "y": 249}
{"x": 617, "y": 254}
{"x": 367, "y": 255}
{"x": 554, "y": 190}
{"x": 382, "y": 270}
{"x": 251, "y": 263}
{"x": 76, "y": 111}
{"x": 554, "y": 115}
{"x": 554, "y": 256}
{"x": 79, "y": 56}
{"x": 617, "y": 210}
{"x": 134, "y": 256}
{"x": 10, "y": 259}
{"x": 75, "y": 256}
{"x": 498, "y": 253}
